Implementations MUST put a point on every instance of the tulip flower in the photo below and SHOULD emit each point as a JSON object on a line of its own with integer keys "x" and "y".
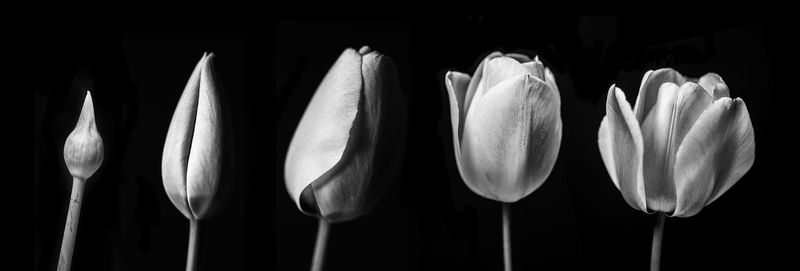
{"x": 684, "y": 143}
{"x": 506, "y": 128}
{"x": 83, "y": 154}
{"x": 191, "y": 163}
{"x": 346, "y": 145}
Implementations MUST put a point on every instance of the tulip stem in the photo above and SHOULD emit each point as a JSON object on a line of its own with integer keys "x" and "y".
{"x": 191, "y": 255}
{"x": 71, "y": 227}
{"x": 507, "y": 236}
{"x": 658, "y": 232}
{"x": 319, "y": 249}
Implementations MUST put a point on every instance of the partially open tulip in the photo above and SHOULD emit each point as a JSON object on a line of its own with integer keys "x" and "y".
{"x": 506, "y": 127}
{"x": 83, "y": 154}
{"x": 348, "y": 141}
{"x": 684, "y": 143}
{"x": 191, "y": 164}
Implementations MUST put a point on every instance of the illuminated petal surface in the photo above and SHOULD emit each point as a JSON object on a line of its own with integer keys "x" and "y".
{"x": 622, "y": 148}
{"x": 717, "y": 151}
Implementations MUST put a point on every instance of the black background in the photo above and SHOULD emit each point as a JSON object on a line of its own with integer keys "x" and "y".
{"x": 428, "y": 219}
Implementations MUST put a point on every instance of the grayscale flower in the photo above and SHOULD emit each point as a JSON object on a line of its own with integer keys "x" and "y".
{"x": 349, "y": 138}
{"x": 506, "y": 125}
{"x": 681, "y": 147}
{"x": 192, "y": 158}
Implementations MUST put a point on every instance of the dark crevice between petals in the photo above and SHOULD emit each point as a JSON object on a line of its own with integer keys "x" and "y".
{"x": 308, "y": 202}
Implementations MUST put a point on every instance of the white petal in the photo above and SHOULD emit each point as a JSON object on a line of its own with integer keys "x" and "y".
{"x": 621, "y": 147}
{"x": 477, "y": 81}
{"x": 512, "y": 139}
{"x": 714, "y": 85}
{"x": 456, "y": 84}
{"x": 175, "y": 157}
{"x": 718, "y": 150}
{"x": 496, "y": 71}
{"x": 648, "y": 91}
{"x": 205, "y": 157}
{"x": 675, "y": 112}
{"x": 354, "y": 184}
{"x": 324, "y": 130}
{"x": 535, "y": 68}
{"x": 521, "y": 58}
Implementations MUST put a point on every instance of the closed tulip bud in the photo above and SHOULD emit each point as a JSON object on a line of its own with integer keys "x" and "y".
{"x": 349, "y": 138}
{"x": 192, "y": 161}
{"x": 506, "y": 129}
{"x": 83, "y": 150}
{"x": 83, "y": 154}
{"x": 506, "y": 125}
{"x": 346, "y": 146}
{"x": 684, "y": 143}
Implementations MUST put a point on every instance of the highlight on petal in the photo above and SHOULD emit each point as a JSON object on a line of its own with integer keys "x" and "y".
{"x": 205, "y": 154}
{"x": 622, "y": 149}
{"x": 346, "y": 146}
{"x": 550, "y": 79}
{"x": 718, "y": 150}
{"x": 83, "y": 149}
{"x": 496, "y": 71}
{"x": 456, "y": 84}
{"x": 536, "y": 68}
{"x": 321, "y": 136}
{"x": 512, "y": 139}
{"x": 648, "y": 91}
{"x": 664, "y": 129}
{"x": 476, "y": 83}
{"x": 344, "y": 193}
{"x": 714, "y": 85}
{"x": 521, "y": 58}
{"x": 175, "y": 157}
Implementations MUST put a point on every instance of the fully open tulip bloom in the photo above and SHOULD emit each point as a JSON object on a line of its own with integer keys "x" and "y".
{"x": 506, "y": 127}
{"x": 684, "y": 143}
{"x": 348, "y": 141}
{"x": 83, "y": 154}
{"x": 191, "y": 164}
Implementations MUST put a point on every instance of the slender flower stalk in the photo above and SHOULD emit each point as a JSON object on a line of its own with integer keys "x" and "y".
{"x": 319, "y": 249}
{"x": 658, "y": 233}
{"x": 506, "y": 236}
{"x": 71, "y": 227}
{"x": 83, "y": 154}
{"x": 191, "y": 255}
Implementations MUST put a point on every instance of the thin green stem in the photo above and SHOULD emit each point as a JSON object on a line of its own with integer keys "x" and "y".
{"x": 506, "y": 236}
{"x": 319, "y": 249}
{"x": 658, "y": 233}
{"x": 71, "y": 227}
{"x": 191, "y": 254}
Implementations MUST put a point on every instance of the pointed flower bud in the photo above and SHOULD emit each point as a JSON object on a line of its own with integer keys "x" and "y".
{"x": 192, "y": 159}
{"x": 83, "y": 150}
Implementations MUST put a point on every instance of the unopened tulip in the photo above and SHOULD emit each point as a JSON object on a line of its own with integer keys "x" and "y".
{"x": 348, "y": 141}
{"x": 506, "y": 128}
{"x": 191, "y": 164}
{"x": 83, "y": 154}
{"x": 684, "y": 143}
